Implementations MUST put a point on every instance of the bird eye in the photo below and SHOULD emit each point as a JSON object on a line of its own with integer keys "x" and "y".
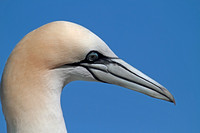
{"x": 92, "y": 56}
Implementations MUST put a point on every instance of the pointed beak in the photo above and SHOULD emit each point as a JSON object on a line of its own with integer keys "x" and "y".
{"x": 116, "y": 71}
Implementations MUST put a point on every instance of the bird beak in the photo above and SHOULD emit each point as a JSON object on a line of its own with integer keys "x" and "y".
{"x": 116, "y": 71}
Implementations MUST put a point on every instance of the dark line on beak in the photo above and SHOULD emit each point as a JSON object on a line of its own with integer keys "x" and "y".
{"x": 140, "y": 85}
{"x": 94, "y": 75}
{"x": 124, "y": 79}
{"x": 109, "y": 60}
{"x": 137, "y": 75}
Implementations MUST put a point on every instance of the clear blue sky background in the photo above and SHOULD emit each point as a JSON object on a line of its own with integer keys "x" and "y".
{"x": 159, "y": 37}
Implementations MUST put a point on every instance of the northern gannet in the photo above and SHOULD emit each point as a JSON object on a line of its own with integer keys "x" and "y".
{"x": 50, "y": 57}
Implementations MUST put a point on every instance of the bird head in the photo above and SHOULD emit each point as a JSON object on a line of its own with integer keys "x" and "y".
{"x": 73, "y": 52}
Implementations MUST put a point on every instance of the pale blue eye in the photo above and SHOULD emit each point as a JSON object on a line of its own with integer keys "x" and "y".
{"x": 92, "y": 56}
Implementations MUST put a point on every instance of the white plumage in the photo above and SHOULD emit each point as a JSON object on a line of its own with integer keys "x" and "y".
{"x": 48, "y": 58}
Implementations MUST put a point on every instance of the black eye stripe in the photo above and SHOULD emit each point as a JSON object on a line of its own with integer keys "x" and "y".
{"x": 101, "y": 60}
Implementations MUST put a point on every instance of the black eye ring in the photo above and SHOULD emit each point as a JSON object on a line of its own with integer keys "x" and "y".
{"x": 93, "y": 56}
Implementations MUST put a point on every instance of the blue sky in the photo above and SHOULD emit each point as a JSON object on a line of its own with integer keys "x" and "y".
{"x": 159, "y": 37}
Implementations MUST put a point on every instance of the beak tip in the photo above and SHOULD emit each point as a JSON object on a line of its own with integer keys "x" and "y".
{"x": 174, "y": 101}
{"x": 170, "y": 96}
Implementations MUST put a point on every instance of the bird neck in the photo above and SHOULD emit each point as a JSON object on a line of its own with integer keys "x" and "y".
{"x": 33, "y": 107}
